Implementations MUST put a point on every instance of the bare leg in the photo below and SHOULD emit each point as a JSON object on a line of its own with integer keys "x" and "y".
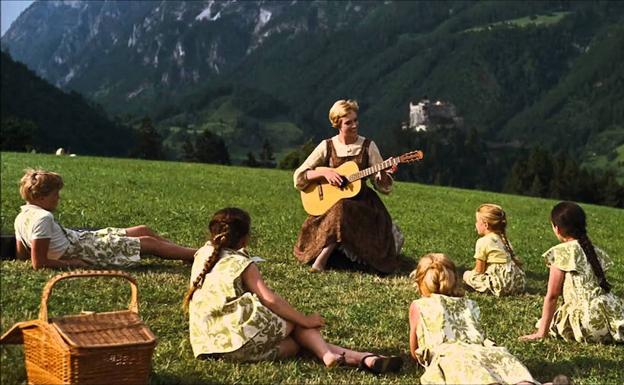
{"x": 352, "y": 357}
{"x": 323, "y": 257}
{"x": 144, "y": 231}
{"x": 312, "y": 340}
{"x": 167, "y": 250}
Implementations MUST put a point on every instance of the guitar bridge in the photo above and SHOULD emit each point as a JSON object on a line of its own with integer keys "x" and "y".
{"x": 320, "y": 191}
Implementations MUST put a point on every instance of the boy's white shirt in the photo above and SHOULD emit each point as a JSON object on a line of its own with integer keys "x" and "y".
{"x": 34, "y": 222}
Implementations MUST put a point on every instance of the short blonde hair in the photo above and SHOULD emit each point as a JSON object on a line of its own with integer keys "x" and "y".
{"x": 39, "y": 183}
{"x": 340, "y": 109}
{"x": 436, "y": 274}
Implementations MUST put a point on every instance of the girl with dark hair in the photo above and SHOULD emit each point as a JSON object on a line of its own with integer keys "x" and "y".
{"x": 234, "y": 315}
{"x": 590, "y": 312}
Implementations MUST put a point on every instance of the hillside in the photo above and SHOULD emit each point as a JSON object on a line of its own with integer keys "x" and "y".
{"x": 38, "y": 116}
{"x": 539, "y": 73}
{"x": 362, "y": 311}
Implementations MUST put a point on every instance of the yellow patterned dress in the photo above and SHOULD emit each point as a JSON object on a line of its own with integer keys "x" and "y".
{"x": 453, "y": 350}
{"x": 502, "y": 276}
{"x": 587, "y": 314}
{"x": 226, "y": 320}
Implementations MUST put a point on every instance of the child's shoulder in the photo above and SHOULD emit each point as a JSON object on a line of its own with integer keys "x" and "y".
{"x": 33, "y": 212}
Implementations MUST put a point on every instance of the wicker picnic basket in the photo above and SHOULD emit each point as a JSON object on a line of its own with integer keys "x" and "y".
{"x": 93, "y": 348}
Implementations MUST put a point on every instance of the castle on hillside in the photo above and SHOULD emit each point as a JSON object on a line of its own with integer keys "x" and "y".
{"x": 425, "y": 115}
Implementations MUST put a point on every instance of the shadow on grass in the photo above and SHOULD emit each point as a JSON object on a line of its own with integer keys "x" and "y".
{"x": 578, "y": 367}
{"x": 339, "y": 261}
{"x": 159, "y": 266}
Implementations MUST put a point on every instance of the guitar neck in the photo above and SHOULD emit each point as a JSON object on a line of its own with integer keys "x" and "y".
{"x": 374, "y": 169}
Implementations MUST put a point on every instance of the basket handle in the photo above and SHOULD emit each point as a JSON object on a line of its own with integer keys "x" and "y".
{"x": 47, "y": 290}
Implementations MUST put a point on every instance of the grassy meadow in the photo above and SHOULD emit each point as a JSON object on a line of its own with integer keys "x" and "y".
{"x": 362, "y": 311}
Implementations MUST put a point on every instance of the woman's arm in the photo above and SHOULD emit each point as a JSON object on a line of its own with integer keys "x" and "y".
{"x": 555, "y": 286}
{"x": 414, "y": 320}
{"x": 254, "y": 282}
{"x": 39, "y": 256}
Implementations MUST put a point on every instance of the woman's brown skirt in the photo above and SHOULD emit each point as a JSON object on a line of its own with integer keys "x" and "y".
{"x": 360, "y": 224}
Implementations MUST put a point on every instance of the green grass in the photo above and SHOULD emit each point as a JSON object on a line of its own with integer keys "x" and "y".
{"x": 527, "y": 21}
{"x": 362, "y": 311}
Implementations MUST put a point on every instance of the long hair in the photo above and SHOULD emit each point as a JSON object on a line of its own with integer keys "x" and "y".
{"x": 496, "y": 218}
{"x": 437, "y": 274}
{"x": 227, "y": 228}
{"x": 571, "y": 221}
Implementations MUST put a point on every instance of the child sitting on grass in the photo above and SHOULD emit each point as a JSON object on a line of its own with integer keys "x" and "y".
{"x": 49, "y": 244}
{"x": 497, "y": 269}
{"x": 445, "y": 335}
{"x": 234, "y": 315}
{"x": 590, "y": 312}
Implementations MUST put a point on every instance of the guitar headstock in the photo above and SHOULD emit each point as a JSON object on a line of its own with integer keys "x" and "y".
{"x": 411, "y": 156}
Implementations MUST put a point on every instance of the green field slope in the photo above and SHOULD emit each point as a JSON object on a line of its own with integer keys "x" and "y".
{"x": 362, "y": 311}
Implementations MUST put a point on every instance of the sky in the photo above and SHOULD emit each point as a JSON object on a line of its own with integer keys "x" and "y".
{"x": 11, "y": 9}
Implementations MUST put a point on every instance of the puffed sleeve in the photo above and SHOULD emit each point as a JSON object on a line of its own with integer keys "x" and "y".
{"x": 562, "y": 256}
{"x": 314, "y": 160}
{"x": 481, "y": 249}
{"x": 374, "y": 157}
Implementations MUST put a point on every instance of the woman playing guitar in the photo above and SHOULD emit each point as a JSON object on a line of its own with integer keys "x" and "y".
{"x": 360, "y": 226}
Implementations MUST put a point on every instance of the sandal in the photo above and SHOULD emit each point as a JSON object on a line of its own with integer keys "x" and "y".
{"x": 381, "y": 364}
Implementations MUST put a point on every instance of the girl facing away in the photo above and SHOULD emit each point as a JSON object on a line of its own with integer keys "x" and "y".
{"x": 590, "y": 312}
{"x": 445, "y": 336}
{"x": 49, "y": 244}
{"x": 497, "y": 269}
{"x": 234, "y": 315}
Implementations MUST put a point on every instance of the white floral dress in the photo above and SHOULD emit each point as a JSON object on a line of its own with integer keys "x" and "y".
{"x": 502, "y": 276}
{"x": 587, "y": 314}
{"x": 226, "y": 320}
{"x": 453, "y": 350}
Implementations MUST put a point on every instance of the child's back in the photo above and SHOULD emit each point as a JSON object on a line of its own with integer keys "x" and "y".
{"x": 454, "y": 350}
{"x": 588, "y": 313}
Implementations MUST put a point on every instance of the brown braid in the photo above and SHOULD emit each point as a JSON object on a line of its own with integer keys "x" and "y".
{"x": 227, "y": 227}
{"x": 592, "y": 258}
{"x": 571, "y": 221}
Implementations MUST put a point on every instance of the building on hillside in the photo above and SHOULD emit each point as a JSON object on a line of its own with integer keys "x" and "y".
{"x": 425, "y": 115}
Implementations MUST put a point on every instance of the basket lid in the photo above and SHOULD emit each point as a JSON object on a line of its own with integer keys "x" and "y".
{"x": 93, "y": 330}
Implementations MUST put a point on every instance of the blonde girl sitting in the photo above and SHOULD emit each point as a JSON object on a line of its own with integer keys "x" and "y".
{"x": 445, "y": 336}
{"x": 590, "y": 312}
{"x": 497, "y": 268}
{"x": 48, "y": 244}
{"x": 234, "y": 315}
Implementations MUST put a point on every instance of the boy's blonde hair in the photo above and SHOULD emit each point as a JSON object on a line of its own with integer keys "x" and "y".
{"x": 340, "y": 109}
{"x": 496, "y": 218}
{"x": 39, "y": 183}
{"x": 436, "y": 274}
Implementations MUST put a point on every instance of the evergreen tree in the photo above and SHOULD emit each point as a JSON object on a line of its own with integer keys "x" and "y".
{"x": 210, "y": 148}
{"x": 17, "y": 134}
{"x": 267, "y": 159}
{"x": 251, "y": 160}
{"x": 149, "y": 142}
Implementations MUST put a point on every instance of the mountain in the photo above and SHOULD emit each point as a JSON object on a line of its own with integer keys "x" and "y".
{"x": 37, "y": 115}
{"x": 537, "y": 73}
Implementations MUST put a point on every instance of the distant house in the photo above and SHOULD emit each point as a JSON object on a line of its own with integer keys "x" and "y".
{"x": 425, "y": 115}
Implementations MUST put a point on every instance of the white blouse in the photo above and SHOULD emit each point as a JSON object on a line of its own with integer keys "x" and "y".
{"x": 317, "y": 158}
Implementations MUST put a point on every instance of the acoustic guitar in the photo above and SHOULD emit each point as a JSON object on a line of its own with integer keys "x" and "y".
{"x": 320, "y": 196}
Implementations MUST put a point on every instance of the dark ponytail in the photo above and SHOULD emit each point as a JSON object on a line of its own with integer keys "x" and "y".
{"x": 571, "y": 221}
{"x": 227, "y": 228}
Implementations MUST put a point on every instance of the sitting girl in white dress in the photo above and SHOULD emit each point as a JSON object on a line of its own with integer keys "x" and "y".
{"x": 590, "y": 312}
{"x": 234, "y": 315}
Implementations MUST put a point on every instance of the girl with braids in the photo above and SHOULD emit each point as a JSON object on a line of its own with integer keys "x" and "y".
{"x": 445, "y": 336}
{"x": 497, "y": 268}
{"x": 235, "y": 316}
{"x": 590, "y": 312}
